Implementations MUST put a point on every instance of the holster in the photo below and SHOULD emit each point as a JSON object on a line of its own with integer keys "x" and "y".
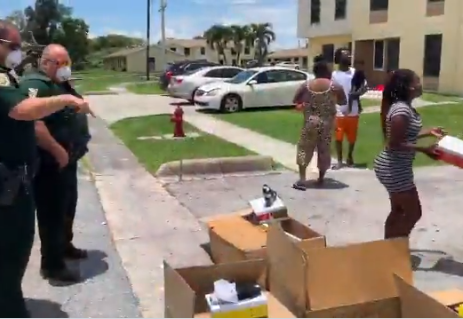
{"x": 10, "y": 183}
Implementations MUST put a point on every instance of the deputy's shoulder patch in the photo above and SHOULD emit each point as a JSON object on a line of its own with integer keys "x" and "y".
{"x": 4, "y": 80}
{"x": 33, "y": 92}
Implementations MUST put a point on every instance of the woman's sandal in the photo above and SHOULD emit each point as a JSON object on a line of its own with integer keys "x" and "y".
{"x": 300, "y": 186}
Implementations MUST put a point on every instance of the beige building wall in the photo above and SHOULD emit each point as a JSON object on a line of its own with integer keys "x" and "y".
{"x": 195, "y": 49}
{"x": 328, "y": 25}
{"x": 411, "y": 20}
{"x": 136, "y": 62}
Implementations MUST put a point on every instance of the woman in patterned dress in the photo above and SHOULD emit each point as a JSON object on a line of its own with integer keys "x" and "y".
{"x": 318, "y": 98}
{"x": 394, "y": 165}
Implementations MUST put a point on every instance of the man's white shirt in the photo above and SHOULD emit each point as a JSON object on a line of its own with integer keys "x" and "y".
{"x": 344, "y": 79}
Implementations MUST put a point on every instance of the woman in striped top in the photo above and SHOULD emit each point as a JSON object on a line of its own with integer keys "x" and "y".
{"x": 394, "y": 165}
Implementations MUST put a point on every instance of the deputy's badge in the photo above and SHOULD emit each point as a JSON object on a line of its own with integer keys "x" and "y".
{"x": 4, "y": 80}
{"x": 33, "y": 92}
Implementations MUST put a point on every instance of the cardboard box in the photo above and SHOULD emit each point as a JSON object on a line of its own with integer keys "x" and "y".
{"x": 314, "y": 280}
{"x": 451, "y": 150}
{"x": 233, "y": 238}
{"x": 449, "y": 298}
{"x": 409, "y": 303}
{"x": 185, "y": 288}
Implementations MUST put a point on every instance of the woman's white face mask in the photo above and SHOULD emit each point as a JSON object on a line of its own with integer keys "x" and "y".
{"x": 63, "y": 73}
{"x": 13, "y": 59}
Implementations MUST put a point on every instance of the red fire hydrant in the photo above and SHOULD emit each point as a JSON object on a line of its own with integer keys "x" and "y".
{"x": 177, "y": 119}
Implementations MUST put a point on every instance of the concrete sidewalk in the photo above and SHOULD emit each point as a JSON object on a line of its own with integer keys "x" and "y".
{"x": 105, "y": 292}
{"x": 148, "y": 225}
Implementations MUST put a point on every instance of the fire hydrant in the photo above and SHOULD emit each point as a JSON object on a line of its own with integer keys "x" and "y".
{"x": 177, "y": 119}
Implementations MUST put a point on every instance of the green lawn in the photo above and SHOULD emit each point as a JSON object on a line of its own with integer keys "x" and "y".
{"x": 152, "y": 153}
{"x": 440, "y": 98}
{"x": 101, "y": 80}
{"x": 145, "y": 88}
{"x": 370, "y": 102}
{"x": 285, "y": 125}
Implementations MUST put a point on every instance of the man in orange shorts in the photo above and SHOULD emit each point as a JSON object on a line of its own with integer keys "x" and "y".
{"x": 347, "y": 117}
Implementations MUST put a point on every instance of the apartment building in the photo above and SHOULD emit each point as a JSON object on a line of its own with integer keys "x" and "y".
{"x": 199, "y": 49}
{"x": 422, "y": 35}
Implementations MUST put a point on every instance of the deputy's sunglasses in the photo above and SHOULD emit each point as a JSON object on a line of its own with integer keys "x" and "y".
{"x": 10, "y": 45}
{"x": 59, "y": 63}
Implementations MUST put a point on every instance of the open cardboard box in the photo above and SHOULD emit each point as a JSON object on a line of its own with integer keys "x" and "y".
{"x": 233, "y": 238}
{"x": 449, "y": 298}
{"x": 185, "y": 288}
{"x": 350, "y": 281}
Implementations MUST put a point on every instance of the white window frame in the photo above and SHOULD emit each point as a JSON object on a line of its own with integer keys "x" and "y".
{"x": 382, "y": 68}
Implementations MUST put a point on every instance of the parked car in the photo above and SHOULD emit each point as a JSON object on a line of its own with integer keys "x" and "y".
{"x": 252, "y": 88}
{"x": 184, "y": 86}
{"x": 290, "y": 65}
{"x": 179, "y": 68}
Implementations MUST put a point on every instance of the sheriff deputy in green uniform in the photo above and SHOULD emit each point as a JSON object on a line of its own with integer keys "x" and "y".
{"x": 62, "y": 141}
{"x": 18, "y": 111}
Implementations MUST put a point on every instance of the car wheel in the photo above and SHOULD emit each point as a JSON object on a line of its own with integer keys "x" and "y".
{"x": 231, "y": 103}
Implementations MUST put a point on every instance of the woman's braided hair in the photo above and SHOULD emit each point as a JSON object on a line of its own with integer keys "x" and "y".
{"x": 397, "y": 89}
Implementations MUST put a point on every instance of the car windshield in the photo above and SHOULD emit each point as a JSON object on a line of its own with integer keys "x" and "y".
{"x": 242, "y": 76}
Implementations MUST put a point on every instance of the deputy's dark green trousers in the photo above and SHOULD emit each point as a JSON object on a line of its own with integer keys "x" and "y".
{"x": 17, "y": 225}
{"x": 56, "y": 199}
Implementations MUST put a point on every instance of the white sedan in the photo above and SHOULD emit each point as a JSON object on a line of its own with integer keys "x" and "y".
{"x": 290, "y": 65}
{"x": 252, "y": 88}
{"x": 184, "y": 86}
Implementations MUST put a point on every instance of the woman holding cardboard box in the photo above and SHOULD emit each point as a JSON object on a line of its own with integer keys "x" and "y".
{"x": 394, "y": 165}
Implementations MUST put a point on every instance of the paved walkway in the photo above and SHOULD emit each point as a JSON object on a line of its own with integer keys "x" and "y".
{"x": 148, "y": 225}
{"x": 106, "y": 291}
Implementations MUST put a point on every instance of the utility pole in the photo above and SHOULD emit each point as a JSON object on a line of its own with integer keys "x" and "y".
{"x": 148, "y": 35}
{"x": 162, "y": 10}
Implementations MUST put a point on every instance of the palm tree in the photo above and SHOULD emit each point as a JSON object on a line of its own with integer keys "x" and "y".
{"x": 263, "y": 35}
{"x": 217, "y": 37}
{"x": 241, "y": 36}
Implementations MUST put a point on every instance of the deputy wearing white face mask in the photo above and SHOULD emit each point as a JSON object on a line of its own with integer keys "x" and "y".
{"x": 55, "y": 184}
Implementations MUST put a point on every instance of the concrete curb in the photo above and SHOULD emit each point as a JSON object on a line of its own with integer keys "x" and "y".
{"x": 101, "y": 93}
{"x": 221, "y": 165}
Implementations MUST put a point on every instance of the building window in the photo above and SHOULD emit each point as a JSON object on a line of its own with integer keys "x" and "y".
{"x": 247, "y": 50}
{"x": 186, "y": 51}
{"x": 392, "y": 54}
{"x": 233, "y": 51}
{"x": 340, "y": 10}
{"x": 305, "y": 62}
{"x": 173, "y": 49}
{"x": 379, "y": 5}
{"x": 378, "y": 55}
{"x": 432, "y": 55}
{"x": 203, "y": 50}
{"x": 314, "y": 11}
{"x": 328, "y": 52}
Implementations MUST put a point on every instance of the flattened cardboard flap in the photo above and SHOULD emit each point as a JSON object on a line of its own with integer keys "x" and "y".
{"x": 286, "y": 273}
{"x": 235, "y": 229}
{"x": 448, "y": 297}
{"x": 356, "y": 273}
{"x": 417, "y": 304}
{"x": 179, "y": 298}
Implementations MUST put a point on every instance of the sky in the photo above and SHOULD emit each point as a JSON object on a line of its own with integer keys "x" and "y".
{"x": 184, "y": 18}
